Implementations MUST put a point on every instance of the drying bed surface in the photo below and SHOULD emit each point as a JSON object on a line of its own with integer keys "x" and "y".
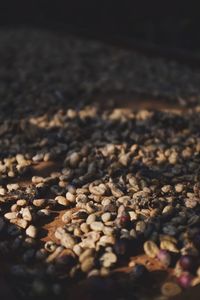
{"x": 95, "y": 195}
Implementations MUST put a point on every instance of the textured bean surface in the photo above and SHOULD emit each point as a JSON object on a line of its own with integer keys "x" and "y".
{"x": 93, "y": 195}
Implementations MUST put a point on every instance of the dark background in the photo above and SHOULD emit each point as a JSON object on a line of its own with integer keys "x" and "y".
{"x": 172, "y": 24}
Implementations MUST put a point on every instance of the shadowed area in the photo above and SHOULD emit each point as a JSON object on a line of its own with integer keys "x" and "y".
{"x": 108, "y": 137}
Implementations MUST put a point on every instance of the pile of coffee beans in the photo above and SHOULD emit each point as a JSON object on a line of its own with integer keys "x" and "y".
{"x": 125, "y": 183}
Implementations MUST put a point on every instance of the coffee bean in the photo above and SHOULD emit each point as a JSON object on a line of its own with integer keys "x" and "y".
{"x": 10, "y": 215}
{"x": 26, "y": 214}
{"x": 87, "y": 264}
{"x": 125, "y": 179}
{"x": 20, "y": 222}
{"x": 151, "y": 249}
{"x": 106, "y": 217}
{"x": 31, "y": 231}
{"x": 67, "y": 240}
{"x": 108, "y": 259}
{"x": 170, "y": 289}
{"x": 62, "y": 201}
{"x": 97, "y": 226}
